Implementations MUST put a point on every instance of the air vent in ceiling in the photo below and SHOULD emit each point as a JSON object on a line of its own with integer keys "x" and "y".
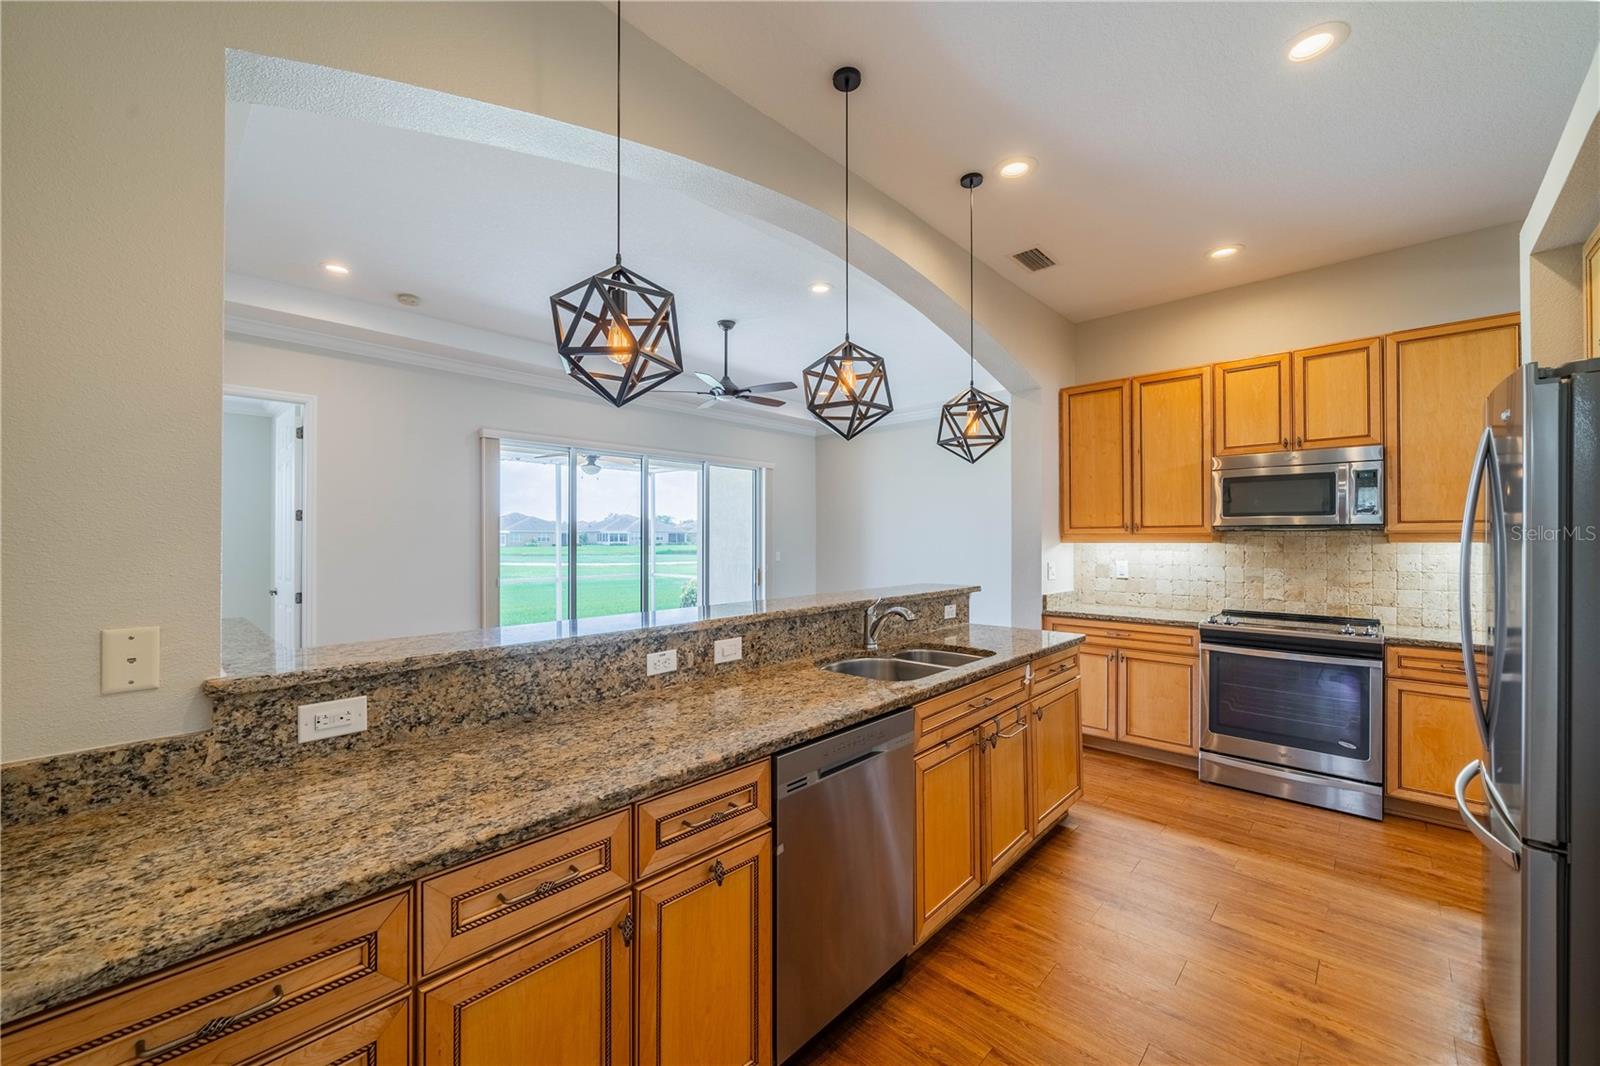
{"x": 1034, "y": 259}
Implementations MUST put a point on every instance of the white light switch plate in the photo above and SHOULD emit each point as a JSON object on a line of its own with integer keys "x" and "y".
{"x": 1050, "y": 571}
{"x": 661, "y": 662}
{"x": 728, "y": 650}
{"x": 1121, "y": 567}
{"x": 130, "y": 659}
{"x": 333, "y": 718}
{"x": 949, "y": 611}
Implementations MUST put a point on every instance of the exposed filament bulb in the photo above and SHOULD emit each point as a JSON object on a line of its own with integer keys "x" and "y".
{"x": 974, "y": 421}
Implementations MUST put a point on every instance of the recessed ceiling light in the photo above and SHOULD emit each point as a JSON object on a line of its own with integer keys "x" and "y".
{"x": 821, "y": 287}
{"x": 335, "y": 268}
{"x": 1016, "y": 166}
{"x": 1227, "y": 251}
{"x": 1318, "y": 41}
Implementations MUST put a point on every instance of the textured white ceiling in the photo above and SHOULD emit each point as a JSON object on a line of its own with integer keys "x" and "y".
{"x": 484, "y": 235}
{"x": 1165, "y": 129}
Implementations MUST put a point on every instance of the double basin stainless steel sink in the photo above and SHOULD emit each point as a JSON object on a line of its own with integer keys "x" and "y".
{"x": 908, "y": 664}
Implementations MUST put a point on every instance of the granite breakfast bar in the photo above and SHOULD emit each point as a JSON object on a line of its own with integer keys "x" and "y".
{"x": 110, "y": 892}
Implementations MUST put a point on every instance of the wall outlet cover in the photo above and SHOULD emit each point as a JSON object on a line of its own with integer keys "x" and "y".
{"x": 949, "y": 611}
{"x": 130, "y": 659}
{"x": 1121, "y": 568}
{"x": 332, "y": 718}
{"x": 661, "y": 662}
{"x": 728, "y": 650}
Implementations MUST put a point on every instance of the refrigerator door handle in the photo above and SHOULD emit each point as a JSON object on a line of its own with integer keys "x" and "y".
{"x": 1480, "y": 715}
{"x": 1496, "y": 847}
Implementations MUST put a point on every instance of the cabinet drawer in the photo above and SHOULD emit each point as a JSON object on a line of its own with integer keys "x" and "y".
{"x": 378, "y": 1038}
{"x": 1052, "y": 671}
{"x": 475, "y": 907}
{"x": 240, "y": 1004}
{"x": 953, "y": 713}
{"x": 696, "y": 819}
{"x": 1439, "y": 665}
{"x": 1176, "y": 640}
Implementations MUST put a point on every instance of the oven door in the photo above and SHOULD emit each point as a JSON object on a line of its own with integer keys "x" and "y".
{"x": 1313, "y": 712}
{"x": 1310, "y": 495}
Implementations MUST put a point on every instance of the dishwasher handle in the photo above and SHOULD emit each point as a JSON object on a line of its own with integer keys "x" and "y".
{"x": 857, "y": 760}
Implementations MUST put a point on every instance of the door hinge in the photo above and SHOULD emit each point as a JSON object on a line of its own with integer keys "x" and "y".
{"x": 299, "y": 597}
{"x": 299, "y": 432}
{"x": 299, "y": 515}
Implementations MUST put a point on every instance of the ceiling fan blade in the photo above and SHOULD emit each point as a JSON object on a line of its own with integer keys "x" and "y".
{"x": 684, "y": 392}
{"x": 708, "y": 379}
{"x": 772, "y": 386}
{"x": 762, "y": 400}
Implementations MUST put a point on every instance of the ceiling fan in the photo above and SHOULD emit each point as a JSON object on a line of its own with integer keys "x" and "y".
{"x": 718, "y": 390}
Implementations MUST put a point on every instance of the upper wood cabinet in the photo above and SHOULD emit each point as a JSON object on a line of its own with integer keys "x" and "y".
{"x": 1096, "y": 431}
{"x": 1591, "y": 295}
{"x": 1328, "y": 397}
{"x": 1253, "y": 411}
{"x": 1435, "y": 384}
{"x": 1337, "y": 395}
{"x": 1172, "y": 454}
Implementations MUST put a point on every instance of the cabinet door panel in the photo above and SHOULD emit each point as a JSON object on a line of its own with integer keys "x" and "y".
{"x": 948, "y": 831}
{"x": 1160, "y": 695}
{"x": 1338, "y": 395}
{"x": 1252, "y": 405}
{"x": 1094, "y": 460}
{"x": 1172, "y": 454}
{"x": 1097, "y": 690}
{"x": 705, "y": 960}
{"x": 1007, "y": 825}
{"x": 561, "y": 997}
{"x": 1057, "y": 746}
{"x": 1430, "y": 737}
{"x": 1435, "y": 382}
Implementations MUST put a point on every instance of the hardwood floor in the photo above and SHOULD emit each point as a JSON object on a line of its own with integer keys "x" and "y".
{"x": 1175, "y": 922}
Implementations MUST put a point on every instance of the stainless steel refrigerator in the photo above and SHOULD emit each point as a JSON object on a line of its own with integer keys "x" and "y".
{"x": 1537, "y": 473}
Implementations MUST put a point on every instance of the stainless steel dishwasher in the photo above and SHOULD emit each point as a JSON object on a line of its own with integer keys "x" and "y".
{"x": 845, "y": 841}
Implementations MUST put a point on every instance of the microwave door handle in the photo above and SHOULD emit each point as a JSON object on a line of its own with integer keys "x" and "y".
{"x": 1474, "y": 691}
{"x": 1341, "y": 495}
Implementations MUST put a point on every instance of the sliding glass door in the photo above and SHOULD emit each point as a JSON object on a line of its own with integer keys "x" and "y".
{"x": 534, "y": 562}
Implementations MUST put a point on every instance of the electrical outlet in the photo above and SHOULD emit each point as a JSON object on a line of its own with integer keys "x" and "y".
{"x": 332, "y": 718}
{"x": 661, "y": 662}
{"x": 130, "y": 659}
{"x": 1121, "y": 568}
{"x": 949, "y": 611}
{"x": 728, "y": 650}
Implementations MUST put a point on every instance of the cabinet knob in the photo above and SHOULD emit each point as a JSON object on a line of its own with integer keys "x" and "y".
{"x": 1286, "y": 442}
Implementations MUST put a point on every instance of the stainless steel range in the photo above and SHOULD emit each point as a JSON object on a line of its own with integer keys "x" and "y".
{"x": 1292, "y": 706}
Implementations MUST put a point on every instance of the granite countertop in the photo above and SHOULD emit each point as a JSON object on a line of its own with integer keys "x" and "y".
{"x": 251, "y": 662}
{"x": 106, "y": 896}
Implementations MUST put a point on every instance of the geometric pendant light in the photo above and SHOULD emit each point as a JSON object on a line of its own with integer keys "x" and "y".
{"x": 848, "y": 388}
{"x": 973, "y": 423}
{"x": 617, "y": 331}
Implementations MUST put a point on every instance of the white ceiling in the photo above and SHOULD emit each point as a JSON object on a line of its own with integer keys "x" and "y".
{"x": 1163, "y": 130}
{"x": 484, "y": 235}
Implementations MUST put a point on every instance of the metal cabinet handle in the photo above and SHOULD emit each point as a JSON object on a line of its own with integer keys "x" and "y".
{"x": 625, "y": 927}
{"x": 543, "y": 888}
{"x": 719, "y": 871}
{"x": 714, "y": 817}
{"x": 1286, "y": 443}
{"x": 1008, "y": 734}
{"x": 211, "y": 1028}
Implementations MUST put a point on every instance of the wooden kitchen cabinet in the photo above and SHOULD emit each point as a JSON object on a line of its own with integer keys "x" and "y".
{"x": 1435, "y": 384}
{"x": 705, "y": 959}
{"x": 1056, "y": 753}
{"x": 1429, "y": 734}
{"x": 561, "y": 996}
{"x": 1591, "y": 295}
{"x": 1337, "y": 395}
{"x": 1252, "y": 407}
{"x": 1096, "y": 447}
{"x": 1160, "y": 698}
{"x": 949, "y": 868}
{"x": 378, "y": 1038}
{"x": 1171, "y": 459}
{"x": 1097, "y": 690}
{"x": 1007, "y": 824}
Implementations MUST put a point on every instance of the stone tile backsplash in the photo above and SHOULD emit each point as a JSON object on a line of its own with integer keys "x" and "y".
{"x": 1343, "y": 572}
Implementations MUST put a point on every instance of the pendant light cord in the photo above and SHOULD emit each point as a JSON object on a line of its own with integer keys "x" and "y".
{"x": 619, "y": 132}
{"x": 972, "y": 297}
{"x": 847, "y": 216}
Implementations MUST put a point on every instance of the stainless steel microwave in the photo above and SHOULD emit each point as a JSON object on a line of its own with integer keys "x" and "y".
{"x": 1308, "y": 489}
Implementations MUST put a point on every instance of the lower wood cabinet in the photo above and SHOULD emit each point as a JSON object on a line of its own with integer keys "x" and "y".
{"x": 378, "y": 1038}
{"x": 1097, "y": 691}
{"x": 562, "y": 996}
{"x": 1160, "y": 697}
{"x": 705, "y": 959}
{"x": 1429, "y": 734}
{"x": 1056, "y": 748}
{"x": 949, "y": 865}
{"x": 1007, "y": 822}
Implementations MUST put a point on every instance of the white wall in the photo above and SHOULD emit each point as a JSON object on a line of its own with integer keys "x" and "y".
{"x": 893, "y": 507}
{"x": 1465, "y": 276}
{"x": 398, "y": 507}
{"x": 112, "y": 156}
{"x": 247, "y": 519}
